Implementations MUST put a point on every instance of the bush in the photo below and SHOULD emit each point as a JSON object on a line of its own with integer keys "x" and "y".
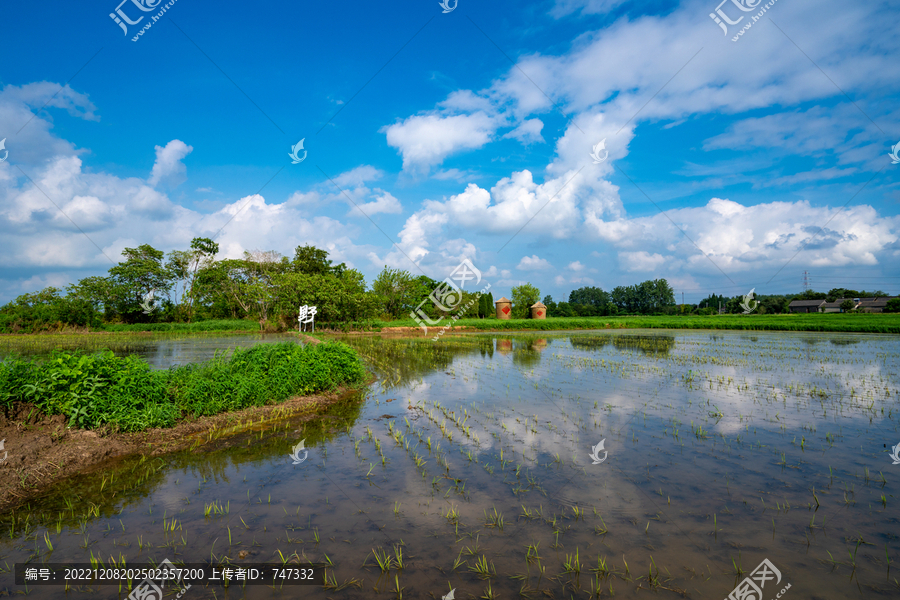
{"x": 100, "y": 389}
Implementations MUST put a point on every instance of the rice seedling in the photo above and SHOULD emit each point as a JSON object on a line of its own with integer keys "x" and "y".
{"x": 452, "y": 515}
{"x": 494, "y": 519}
{"x": 483, "y": 568}
{"x": 385, "y": 561}
{"x": 488, "y": 593}
{"x": 601, "y": 530}
{"x": 572, "y": 564}
{"x": 473, "y": 551}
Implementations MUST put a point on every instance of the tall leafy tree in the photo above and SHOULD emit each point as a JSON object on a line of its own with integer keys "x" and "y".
{"x": 397, "y": 290}
{"x": 250, "y": 282}
{"x": 712, "y": 301}
{"x": 523, "y": 296}
{"x": 141, "y": 272}
{"x": 314, "y": 261}
{"x": 589, "y": 296}
{"x": 95, "y": 290}
{"x": 336, "y": 297}
{"x": 185, "y": 266}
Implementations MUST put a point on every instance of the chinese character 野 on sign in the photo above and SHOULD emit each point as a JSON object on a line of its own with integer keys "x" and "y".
{"x": 307, "y": 316}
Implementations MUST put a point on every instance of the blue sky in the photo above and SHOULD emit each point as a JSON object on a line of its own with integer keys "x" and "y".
{"x": 467, "y": 134}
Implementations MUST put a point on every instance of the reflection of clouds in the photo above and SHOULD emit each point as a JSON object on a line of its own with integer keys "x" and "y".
{"x": 631, "y": 386}
{"x": 783, "y": 371}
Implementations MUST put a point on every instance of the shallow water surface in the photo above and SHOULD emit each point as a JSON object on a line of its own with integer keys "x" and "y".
{"x": 470, "y": 461}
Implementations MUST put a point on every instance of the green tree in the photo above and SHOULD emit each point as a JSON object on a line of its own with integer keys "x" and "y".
{"x": 892, "y": 306}
{"x": 185, "y": 266}
{"x": 563, "y": 309}
{"x": 46, "y": 310}
{"x": 523, "y": 296}
{"x": 314, "y": 261}
{"x": 848, "y": 305}
{"x": 662, "y": 296}
{"x": 482, "y": 306}
{"x": 398, "y": 290}
{"x": 250, "y": 282}
{"x": 712, "y": 301}
{"x": 95, "y": 290}
{"x": 836, "y": 293}
{"x": 550, "y": 304}
{"x": 589, "y": 296}
{"x": 340, "y": 298}
{"x": 141, "y": 272}
{"x": 810, "y": 295}
{"x": 623, "y": 298}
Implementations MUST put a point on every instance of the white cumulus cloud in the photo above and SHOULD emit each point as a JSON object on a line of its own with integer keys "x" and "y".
{"x": 533, "y": 263}
{"x": 426, "y": 140}
{"x": 168, "y": 168}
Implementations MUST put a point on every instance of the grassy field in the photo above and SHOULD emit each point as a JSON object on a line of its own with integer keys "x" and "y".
{"x": 198, "y": 327}
{"x": 101, "y": 389}
{"x": 840, "y": 322}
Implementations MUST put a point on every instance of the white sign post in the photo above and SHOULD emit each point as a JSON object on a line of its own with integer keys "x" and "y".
{"x": 307, "y": 315}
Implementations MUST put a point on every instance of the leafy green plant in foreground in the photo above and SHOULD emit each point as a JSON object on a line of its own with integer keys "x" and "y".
{"x": 99, "y": 389}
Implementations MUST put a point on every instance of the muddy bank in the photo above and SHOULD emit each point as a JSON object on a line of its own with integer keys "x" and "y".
{"x": 42, "y": 450}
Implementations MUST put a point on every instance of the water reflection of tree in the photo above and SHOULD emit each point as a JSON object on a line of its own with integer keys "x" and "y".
{"x": 590, "y": 342}
{"x": 397, "y": 362}
{"x": 526, "y": 353}
{"x": 840, "y": 342}
{"x": 652, "y": 345}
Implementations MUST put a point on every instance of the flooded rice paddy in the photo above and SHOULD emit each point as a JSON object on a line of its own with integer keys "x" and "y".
{"x": 468, "y": 466}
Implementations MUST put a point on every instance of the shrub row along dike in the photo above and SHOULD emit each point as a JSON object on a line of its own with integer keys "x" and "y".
{"x": 73, "y": 410}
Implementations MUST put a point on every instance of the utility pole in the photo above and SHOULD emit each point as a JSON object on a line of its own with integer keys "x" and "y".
{"x": 805, "y": 281}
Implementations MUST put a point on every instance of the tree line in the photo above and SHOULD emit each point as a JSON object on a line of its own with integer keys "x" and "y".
{"x": 149, "y": 286}
{"x": 780, "y": 303}
{"x": 654, "y": 296}
{"x": 183, "y": 286}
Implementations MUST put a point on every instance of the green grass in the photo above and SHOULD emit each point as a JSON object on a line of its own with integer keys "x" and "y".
{"x": 101, "y": 389}
{"x": 837, "y": 322}
{"x": 197, "y": 327}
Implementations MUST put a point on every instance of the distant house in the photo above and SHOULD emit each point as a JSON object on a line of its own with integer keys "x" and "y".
{"x": 832, "y": 307}
{"x": 805, "y": 306}
{"x": 874, "y": 305}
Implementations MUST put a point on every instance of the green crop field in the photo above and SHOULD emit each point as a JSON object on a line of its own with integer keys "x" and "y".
{"x": 857, "y": 323}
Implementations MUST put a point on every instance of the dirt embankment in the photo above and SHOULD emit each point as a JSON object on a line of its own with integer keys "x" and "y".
{"x": 42, "y": 450}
